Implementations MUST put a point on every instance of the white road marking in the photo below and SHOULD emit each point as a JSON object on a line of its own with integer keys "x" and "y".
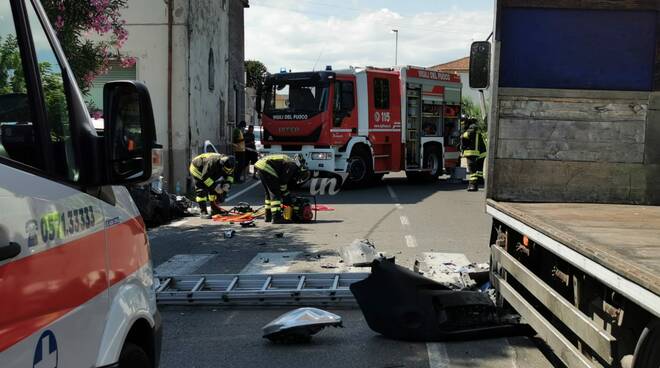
{"x": 392, "y": 194}
{"x": 438, "y": 357}
{"x": 182, "y": 264}
{"x": 234, "y": 196}
{"x": 398, "y": 206}
{"x": 270, "y": 262}
{"x": 513, "y": 353}
{"x": 411, "y": 242}
{"x": 178, "y": 223}
{"x": 404, "y": 220}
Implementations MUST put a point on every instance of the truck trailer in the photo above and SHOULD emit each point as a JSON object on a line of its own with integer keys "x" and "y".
{"x": 362, "y": 123}
{"x": 574, "y": 174}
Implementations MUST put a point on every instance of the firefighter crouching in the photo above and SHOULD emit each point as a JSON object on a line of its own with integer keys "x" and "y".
{"x": 473, "y": 143}
{"x": 212, "y": 173}
{"x": 275, "y": 173}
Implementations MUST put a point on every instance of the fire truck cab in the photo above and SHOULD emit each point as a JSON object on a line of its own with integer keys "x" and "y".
{"x": 364, "y": 122}
{"x": 76, "y": 279}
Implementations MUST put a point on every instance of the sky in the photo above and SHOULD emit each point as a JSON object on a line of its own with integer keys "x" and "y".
{"x": 304, "y": 34}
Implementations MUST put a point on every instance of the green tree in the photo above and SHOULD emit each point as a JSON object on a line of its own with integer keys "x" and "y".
{"x": 74, "y": 20}
{"x": 470, "y": 109}
{"x": 256, "y": 71}
{"x": 12, "y": 78}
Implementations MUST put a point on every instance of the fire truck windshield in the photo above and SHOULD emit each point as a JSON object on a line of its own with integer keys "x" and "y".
{"x": 295, "y": 99}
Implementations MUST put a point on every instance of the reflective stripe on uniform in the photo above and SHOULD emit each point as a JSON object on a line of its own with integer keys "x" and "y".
{"x": 275, "y": 206}
{"x": 263, "y": 166}
{"x": 267, "y": 204}
{"x": 195, "y": 172}
{"x": 230, "y": 179}
{"x": 201, "y": 199}
{"x": 283, "y": 187}
{"x": 206, "y": 155}
{"x": 469, "y": 153}
{"x": 213, "y": 197}
{"x": 208, "y": 182}
{"x": 466, "y": 135}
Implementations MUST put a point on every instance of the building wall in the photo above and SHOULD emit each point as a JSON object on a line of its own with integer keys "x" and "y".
{"x": 208, "y": 79}
{"x": 236, "y": 111}
{"x": 199, "y": 113}
{"x": 180, "y": 106}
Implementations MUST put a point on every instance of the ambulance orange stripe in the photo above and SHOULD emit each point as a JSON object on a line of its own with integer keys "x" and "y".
{"x": 39, "y": 289}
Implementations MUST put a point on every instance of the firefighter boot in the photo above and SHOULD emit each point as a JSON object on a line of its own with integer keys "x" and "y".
{"x": 472, "y": 187}
{"x": 277, "y": 218}
{"x": 215, "y": 209}
{"x": 268, "y": 217}
{"x": 203, "y": 212}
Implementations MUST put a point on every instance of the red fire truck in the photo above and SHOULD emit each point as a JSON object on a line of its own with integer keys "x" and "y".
{"x": 362, "y": 123}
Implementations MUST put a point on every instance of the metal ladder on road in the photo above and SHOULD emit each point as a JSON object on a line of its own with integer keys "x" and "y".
{"x": 284, "y": 289}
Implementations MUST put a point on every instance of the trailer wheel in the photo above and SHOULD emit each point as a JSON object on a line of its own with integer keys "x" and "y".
{"x": 647, "y": 354}
{"x": 360, "y": 168}
{"x": 133, "y": 356}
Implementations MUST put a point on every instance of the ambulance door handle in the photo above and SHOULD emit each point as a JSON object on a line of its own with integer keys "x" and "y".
{"x": 9, "y": 251}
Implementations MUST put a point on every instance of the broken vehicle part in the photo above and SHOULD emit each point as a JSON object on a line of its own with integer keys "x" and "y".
{"x": 360, "y": 253}
{"x": 453, "y": 270}
{"x": 401, "y": 304}
{"x": 299, "y": 325}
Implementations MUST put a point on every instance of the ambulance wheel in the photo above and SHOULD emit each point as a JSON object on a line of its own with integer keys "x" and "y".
{"x": 360, "y": 168}
{"x": 133, "y": 356}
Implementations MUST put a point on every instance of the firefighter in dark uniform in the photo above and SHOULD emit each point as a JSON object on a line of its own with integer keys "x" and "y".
{"x": 212, "y": 173}
{"x": 275, "y": 173}
{"x": 473, "y": 144}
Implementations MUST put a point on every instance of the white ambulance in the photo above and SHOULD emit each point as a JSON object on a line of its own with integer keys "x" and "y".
{"x": 76, "y": 284}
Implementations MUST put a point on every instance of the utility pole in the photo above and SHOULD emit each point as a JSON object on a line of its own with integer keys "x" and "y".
{"x": 396, "y": 47}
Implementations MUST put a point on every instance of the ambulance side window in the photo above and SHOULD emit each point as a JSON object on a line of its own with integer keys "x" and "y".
{"x": 381, "y": 93}
{"x": 19, "y": 138}
{"x": 54, "y": 92}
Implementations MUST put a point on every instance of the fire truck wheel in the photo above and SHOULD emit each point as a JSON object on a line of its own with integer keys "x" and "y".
{"x": 360, "y": 170}
{"x": 133, "y": 356}
{"x": 432, "y": 160}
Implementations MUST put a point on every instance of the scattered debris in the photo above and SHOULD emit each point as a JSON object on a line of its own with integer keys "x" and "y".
{"x": 229, "y": 233}
{"x": 279, "y": 235}
{"x": 360, "y": 253}
{"x": 453, "y": 270}
{"x": 249, "y": 223}
{"x": 327, "y": 265}
{"x": 299, "y": 325}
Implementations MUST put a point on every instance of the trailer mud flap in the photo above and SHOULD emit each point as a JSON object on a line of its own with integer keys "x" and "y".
{"x": 401, "y": 304}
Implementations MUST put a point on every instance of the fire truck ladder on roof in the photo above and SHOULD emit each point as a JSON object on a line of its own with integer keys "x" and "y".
{"x": 284, "y": 289}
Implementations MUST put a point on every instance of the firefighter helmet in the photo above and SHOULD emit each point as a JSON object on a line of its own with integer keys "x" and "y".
{"x": 228, "y": 164}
